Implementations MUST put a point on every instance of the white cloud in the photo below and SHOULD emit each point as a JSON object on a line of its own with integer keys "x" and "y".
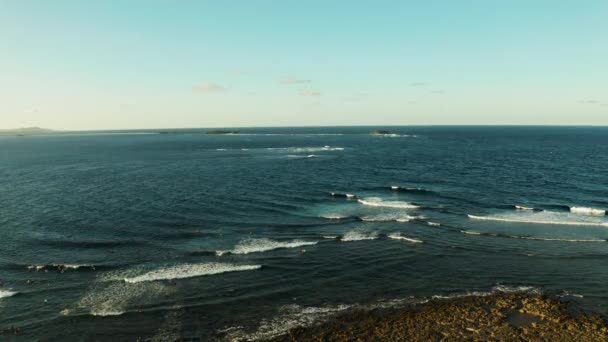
{"x": 207, "y": 87}
{"x": 294, "y": 80}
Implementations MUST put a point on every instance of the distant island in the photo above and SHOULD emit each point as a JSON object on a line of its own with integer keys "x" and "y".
{"x": 222, "y": 132}
{"x": 26, "y": 131}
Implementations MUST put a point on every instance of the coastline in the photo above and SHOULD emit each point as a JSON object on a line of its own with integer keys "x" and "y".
{"x": 497, "y": 317}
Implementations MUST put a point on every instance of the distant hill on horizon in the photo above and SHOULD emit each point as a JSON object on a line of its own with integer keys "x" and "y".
{"x": 26, "y": 131}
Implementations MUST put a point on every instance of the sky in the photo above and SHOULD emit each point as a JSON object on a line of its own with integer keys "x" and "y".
{"x": 121, "y": 64}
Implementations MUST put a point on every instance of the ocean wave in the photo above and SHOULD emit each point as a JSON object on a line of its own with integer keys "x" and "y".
{"x": 7, "y": 293}
{"x": 359, "y": 236}
{"x": 588, "y": 211}
{"x": 519, "y": 207}
{"x": 399, "y": 236}
{"x": 262, "y": 245}
{"x": 379, "y": 202}
{"x": 59, "y": 267}
{"x": 473, "y": 232}
{"x": 190, "y": 270}
{"x": 335, "y": 216}
{"x": 305, "y": 149}
{"x": 395, "y": 217}
{"x": 300, "y": 156}
{"x": 114, "y": 299}
{"x": 289, "y": 317}
{"x": 330, "y": 237}
{"x": 421, "y": 191}
{"x": 531, "y": 220}
{"x": 434, "y": 224}
{"x": 337, "y": 194}
{"x": 295, "y": 316}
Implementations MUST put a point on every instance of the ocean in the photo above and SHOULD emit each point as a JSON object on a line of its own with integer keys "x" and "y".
{"x": 166, "y": 234}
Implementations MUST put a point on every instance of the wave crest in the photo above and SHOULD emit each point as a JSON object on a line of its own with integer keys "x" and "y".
{"x": 399, "y": 236}
{"x": 189, "y": 271}
{"x": 588, "y": 211}
{"x": 262, "y": 245}
{"x": 359, "y": 236}
{"x": 7, "y": 293}
{"x": 379, "y": 202}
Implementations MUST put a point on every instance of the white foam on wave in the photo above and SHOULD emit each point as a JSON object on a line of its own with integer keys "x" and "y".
{"x": 189, "y": 271}
{"x": 473, "y": 232}
{"x": 588, "y": 211}
{"x": 262, "y": 245}
{"x": 305, "y": 149}
{"x": 434, "y": 224}
{"x": 330, "y": 237}
{"x": 334, "y": 216}
{"x": 58, "y": 267}
{"x": 289, "y": 317}
{"x": 555, "y": 239}
{"x": 541, "y": 218}
{"x": 7, "y": 293}
{"x": 113, "y": 299}
{"x": 379, "y": 202}
{"x": 519, "y": 207}
{"x": 396, "y": 217}
{"x": 359, "y": 236}
{"x": 399, "y": 236}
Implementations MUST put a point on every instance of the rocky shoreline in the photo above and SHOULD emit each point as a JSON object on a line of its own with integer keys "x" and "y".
{"x": 497, "y": 317}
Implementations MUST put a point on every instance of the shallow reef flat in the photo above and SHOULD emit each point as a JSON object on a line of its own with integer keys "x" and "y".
{"x": 498, "y": 317}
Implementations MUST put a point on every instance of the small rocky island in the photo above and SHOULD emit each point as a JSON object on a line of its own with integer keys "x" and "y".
{"x": 380, "y": 132}
{"x": 219, "y": 131}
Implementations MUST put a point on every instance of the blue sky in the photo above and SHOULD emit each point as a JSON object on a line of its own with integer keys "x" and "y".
{"x": 143, "y": 64}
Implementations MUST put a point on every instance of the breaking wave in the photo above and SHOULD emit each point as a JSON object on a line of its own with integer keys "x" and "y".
{"x": 59, "y": 267}
{"x": 545, "y": 219}
{"x": 359, "y": 236}
{"x": 398, "y": 236}
{"x": 379, "y": 202}
{"x": 473, "y": 232}
{"x": 396, "y": 217}
{"x": 189, "y": 271}
{"x": 7, "y": 293}
{"x": 588, "y": 211}
{"x": 262, "y": 245}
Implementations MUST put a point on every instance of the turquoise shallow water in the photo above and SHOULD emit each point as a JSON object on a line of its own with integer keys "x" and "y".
{"x": 183, "y": 234}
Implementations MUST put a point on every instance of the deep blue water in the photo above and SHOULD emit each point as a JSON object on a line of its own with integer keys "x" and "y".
{"x": 120, "y": 236}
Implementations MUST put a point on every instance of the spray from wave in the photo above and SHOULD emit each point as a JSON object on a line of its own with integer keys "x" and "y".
{"x": 262, "y": 245}
{"x": 399, "y": 236}
{"x": 359, "y": 236}
{"x": 379, "y": 202}
{"x": 540, "y": 219}
{"x": 189, "y": 271}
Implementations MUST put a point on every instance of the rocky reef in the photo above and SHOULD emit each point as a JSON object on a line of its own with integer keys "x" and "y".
{"x": 498, "y": 317}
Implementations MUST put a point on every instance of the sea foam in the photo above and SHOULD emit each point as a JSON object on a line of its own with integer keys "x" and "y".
{"x": 399, "y": 236}
{"x": 379, "y": 202}
{"x": 397, "y": 217}
{"x": 358, "y": 236}
{"x": 540, "y": 219}
{"x": 189, "y": 271}
{"x": 262, "y": 245}
{"x": 7, "y": 293}
{"x": 587, "y": 211}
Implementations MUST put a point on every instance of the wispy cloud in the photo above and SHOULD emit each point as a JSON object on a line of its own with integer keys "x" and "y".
{"x": 207, "y": 87}
{"x": 294, "y": 80}
{"x": 417, "y": 84}
{"x": 309, "y": 92}
{"x": 590, "y": 102}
